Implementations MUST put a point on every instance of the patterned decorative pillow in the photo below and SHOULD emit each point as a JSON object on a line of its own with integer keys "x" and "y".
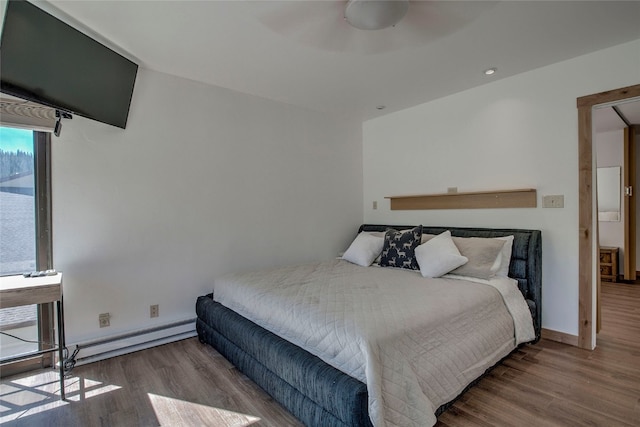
{"x": 399, "y": 248}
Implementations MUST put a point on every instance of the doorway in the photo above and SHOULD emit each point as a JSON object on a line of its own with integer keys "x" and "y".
{"x": 587, "y": 222}
{"x": 615, "y": 127}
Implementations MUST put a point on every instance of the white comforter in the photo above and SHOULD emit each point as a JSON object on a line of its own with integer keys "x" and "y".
{"x": 416, "y": 343}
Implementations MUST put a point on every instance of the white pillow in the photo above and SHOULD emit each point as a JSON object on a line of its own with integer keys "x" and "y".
{"x": 426, "y": 237}
{"x": 439, "y": 256}
{"x": 364, "y": 249}
{"x": 500, "y": 265}
{"x": 505, "y": 256}
{"x": 484, "y": 254}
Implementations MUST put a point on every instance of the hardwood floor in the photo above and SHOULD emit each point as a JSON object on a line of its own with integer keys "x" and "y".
{"x": 184, "y": 383}
{"x": 553, "y": 384}
{"x": 189, "y": 384}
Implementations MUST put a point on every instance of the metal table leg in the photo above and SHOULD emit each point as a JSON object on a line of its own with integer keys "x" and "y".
{"x": 61, "y": 346}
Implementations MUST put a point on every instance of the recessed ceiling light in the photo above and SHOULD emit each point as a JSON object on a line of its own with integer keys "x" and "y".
{"x": 381, "y": 107}
{"x": 490, "y": 71}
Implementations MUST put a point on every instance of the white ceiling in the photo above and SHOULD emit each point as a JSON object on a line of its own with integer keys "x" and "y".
{"x": 304, "y": 53}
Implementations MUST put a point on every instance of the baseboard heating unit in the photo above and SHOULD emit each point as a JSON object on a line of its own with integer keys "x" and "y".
{"x": 117, "y": 345}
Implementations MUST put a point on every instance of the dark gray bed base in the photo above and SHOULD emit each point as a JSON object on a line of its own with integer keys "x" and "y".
{"x": 316, "y": 393}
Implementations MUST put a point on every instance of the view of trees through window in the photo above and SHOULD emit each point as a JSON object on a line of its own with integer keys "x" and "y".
{"x": 15, "y": 162}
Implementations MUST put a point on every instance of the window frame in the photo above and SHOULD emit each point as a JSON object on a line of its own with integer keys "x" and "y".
{"x": 42, "y": 171}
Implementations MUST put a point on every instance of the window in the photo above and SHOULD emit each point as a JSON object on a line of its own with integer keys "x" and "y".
{"x": 17, "y": 202}
{"x": 25, "y": 240}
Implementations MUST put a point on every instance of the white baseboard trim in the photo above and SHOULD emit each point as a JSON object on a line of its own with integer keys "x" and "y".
{"x": 117, "y": 345}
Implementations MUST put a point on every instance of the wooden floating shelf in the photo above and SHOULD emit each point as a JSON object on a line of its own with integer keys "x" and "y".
{"x": 523, "y": 198}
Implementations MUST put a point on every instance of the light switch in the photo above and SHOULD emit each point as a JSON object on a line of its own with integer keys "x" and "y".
{"x": 555, "y": 201}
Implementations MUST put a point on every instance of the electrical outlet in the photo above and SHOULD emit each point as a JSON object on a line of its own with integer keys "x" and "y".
{"x": 104, "y": 320}
{"x": 452, "y": 190}
{"x": 375, "y": 204}
{"x": 154, "y": 310}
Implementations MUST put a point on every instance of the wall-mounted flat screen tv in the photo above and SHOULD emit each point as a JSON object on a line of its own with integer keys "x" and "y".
{"x": 45, "y": 60}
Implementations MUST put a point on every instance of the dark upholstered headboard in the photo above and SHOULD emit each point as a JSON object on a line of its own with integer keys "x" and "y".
{"x": 526, "y": 258}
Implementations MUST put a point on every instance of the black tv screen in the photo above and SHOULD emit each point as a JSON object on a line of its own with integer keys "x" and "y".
{"x": 45, "y": 60}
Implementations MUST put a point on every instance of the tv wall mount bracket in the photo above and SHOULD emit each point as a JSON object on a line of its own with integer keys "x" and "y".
{"x": 59, "y": 116}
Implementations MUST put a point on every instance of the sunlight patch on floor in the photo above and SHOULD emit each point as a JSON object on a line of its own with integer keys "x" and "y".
{"x": 170, "y": 411}
{"x": 31, "y": 395}
{"x": 84, "y": 388}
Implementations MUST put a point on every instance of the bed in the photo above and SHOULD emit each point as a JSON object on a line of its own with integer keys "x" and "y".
{"x": 338, "y": 368}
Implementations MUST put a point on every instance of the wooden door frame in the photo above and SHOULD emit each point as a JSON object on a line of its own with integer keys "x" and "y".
{"x": 586, "y": 232}
{"x": 629, "y": 272}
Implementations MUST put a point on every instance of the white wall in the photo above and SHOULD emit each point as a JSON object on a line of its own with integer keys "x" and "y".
{"x": 203, "y": 181}
{"x": 610, "y": 152}
{"x": 519, "y": 132}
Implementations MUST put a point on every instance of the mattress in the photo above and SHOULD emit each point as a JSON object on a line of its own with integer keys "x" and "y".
{"x": 416, "y": 343}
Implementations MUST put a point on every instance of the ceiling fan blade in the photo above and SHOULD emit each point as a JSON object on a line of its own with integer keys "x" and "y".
{"x": 315, "y": 23}
{"x": 428, "y": 21}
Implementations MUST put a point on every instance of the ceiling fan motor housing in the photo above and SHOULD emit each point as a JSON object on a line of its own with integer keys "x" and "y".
{"x": 375, "y": 14}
